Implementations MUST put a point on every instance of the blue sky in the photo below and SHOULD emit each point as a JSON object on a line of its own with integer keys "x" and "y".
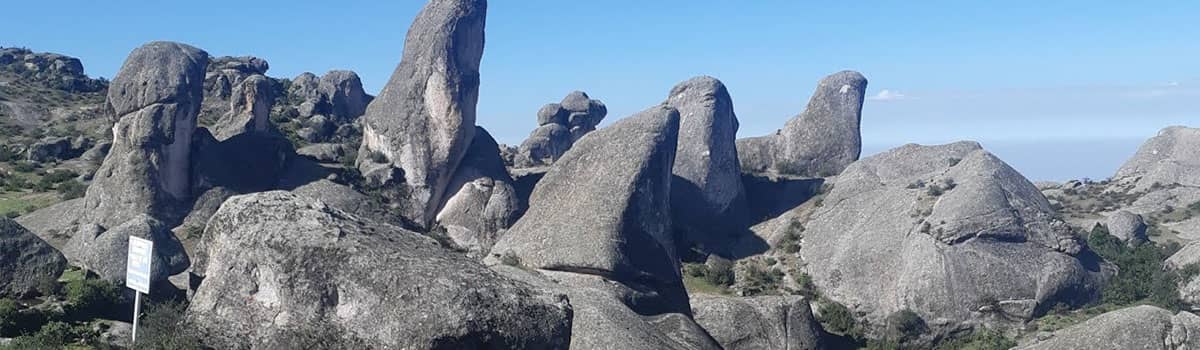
{"x": 1034, "y": 81}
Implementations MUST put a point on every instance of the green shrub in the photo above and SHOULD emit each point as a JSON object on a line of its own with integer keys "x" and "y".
{"x": 59, "y": 176}
{"x": 720, "y": 272}
{"x": 52, "y": 336}
{"x": 9, "y": 317}
{"x": 24, "y": 167}
{"x": 71, "y": 190}
{"x": 905, "y": 325}
{"x": 164, "y": 327}
{"x": 838, "y": 319}
{"x": 978, "y": 340}
{"x": 92, "y": 297}
{"x": 761, "y": 280}
{"x": 1141, "y": 276}
{"x": 379, "y": 157}
{"x": 805, "y": 285}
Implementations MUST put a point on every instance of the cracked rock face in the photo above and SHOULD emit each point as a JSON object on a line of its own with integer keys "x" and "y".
{"x": 950, "y": 232}
{"x": 819, "y": 142}
{"x": 286, "y": 271}
{"x": 1137, "y": 327}
{"x": 25, "y": 261}
{"x": 419, "y": 127}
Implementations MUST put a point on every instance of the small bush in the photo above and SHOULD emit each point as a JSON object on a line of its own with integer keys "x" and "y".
{"x": 10, "y": 316}
{"x": 164, "y": 327}
{"x": 978, "y": 340}
{"x": 52, "y": 336}
{"x": 59, "y": 176}
{"x": 761, "y": 280}
{"x": 92, "y": 297}
{"x": 805, "y": 285}
{"x": 905, "y": 325}
{"x": 71, "y": 190}
{"x": 720, "y": 272}
{"x": 379, "y": 157}
{"x": 24, "y": 167}
{"x": 838, "y": 319}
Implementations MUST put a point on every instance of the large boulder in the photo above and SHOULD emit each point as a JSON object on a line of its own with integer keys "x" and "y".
{"x": 104, "y": 251}
{"x": 1187, "y": 258}
{"x": 344, "y": 92}
{"x": 51, "y": 148}
{"x": 950, "y": 232}
{"x": 559, "y": 125}
{"x": 285, "y": 271}
{"x": 766, "y": 322}
{"x": 819, "y": 142}
{"x": 156, "y": 96}
{"x": 419, "y": 127}
{"x": 1127, "y": 227}
{"x": 604, "y": 316}
{"x": 249, "y": 109}
{"x": 1172, "y": 157}
{"x": 481, "y": 200}
{"x": 26, "y": 261}
{"x": 708, "y": 201}
{"x": 604, "y": 209}
{"x": 1138, "y": 327}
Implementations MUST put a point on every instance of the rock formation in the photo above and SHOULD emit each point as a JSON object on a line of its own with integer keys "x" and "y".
{"x": 1171, "y": 157}
{"x": 419, "y": 127}
{"x": 156, "y": 96}
{"x": 285, "y": 271}
{"x": 819, "y": 142}
{"x": 1138, "y": 327}
{"x": 604, "y": 209}
{"x": 1128, "y": 227}
{"x": 707, "y": 197}
{"x": 481, "y": 199}
{"x": 54, "y": 70}
{"x": 104, "y": 251}
{"x": 768, "y": 322}
{"x": 26, "y": 261}
{"x": 950, "y": 232}
{"x": 249, "y": 109}
{"x": 559, "y": 126}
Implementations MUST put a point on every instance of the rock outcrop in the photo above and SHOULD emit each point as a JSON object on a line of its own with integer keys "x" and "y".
{"x": 26, "y": 261}
{"x": 819, "y": 142}
{"x": 249, "y": 108}
{"x": 338, "y": 94}
{"x": 156, "y": 96}
{"x": 708, "y": 201}
{"x": 604, "y": 209}
{"x": 559, "y": 126}
{"x": 950, "y": 232}
{"x": 419, "y": 127}
{"x": 53, "y": 70}
{"x": 1138, "y": 327}
{"x": 1172, "y": 157}
{"x": 767, "y": 322}
{"x": 285, "y": 271}
{"x": 481, "y": 200}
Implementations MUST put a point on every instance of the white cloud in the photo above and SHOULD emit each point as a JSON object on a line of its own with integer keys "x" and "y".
{"x": 888, "y": 95}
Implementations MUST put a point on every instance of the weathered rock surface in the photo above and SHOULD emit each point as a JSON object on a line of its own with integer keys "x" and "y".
{"x": 767, "y": 322}
{"x": 950, "y": 232}
{"x": 819, "y": 142}
{"x": 249, "y": 109}
{"x": 1137, "y": 327}
{"x": 1185, "y": 258}
{"x": 105, "y": 251}
{"x": 614, "y": 224}
{"x": 285, "y": 271}
{"x": 1171, "y": 157}
{"x": 156, "y": 96}
{"x": 419, "y": 127}
{"x": 707, "y": 197}
{"x": 26, "y": 261}
{"x": 1128, "y": 227}
{"x": 343, "y": 91}
{"x": 559, "y": 125}
{"x": 54, "y": 70}
{"x": 324, "y": 152}
{"x": 481, "y": 200}
{"x": 54, "y": 148}
{"x": 604, "y": 316}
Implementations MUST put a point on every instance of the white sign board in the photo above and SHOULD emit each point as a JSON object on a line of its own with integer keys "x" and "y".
{"x": 137, "y": 268}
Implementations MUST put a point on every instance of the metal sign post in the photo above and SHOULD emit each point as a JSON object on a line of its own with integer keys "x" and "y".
{"x": 137, "y": 274}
